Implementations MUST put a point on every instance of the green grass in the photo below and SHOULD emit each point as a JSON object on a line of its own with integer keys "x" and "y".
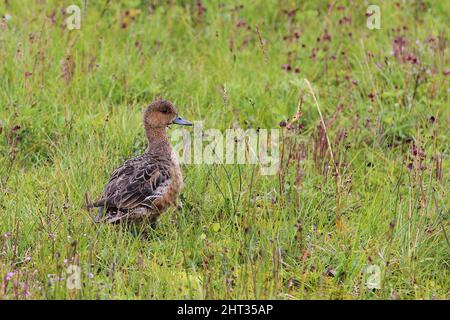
{"x": 302, "y": 234}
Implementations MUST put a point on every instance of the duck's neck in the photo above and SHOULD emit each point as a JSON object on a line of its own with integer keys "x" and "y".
{"x": 158, "y": 143}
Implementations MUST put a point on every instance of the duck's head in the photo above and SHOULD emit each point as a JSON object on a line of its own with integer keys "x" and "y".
{"x": 162, "y": 113}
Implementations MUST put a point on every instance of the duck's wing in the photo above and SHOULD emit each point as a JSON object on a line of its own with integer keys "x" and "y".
{"x": 137, "y": 182}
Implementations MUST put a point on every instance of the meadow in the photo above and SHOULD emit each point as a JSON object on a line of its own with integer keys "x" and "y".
{"x": 358, "y": 208}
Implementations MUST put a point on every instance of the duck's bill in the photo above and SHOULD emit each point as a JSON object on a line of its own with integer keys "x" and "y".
{"x": 181, "y": 121}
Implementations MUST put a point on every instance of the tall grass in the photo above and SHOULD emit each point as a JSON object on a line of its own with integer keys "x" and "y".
{"x": 363, "y": 184}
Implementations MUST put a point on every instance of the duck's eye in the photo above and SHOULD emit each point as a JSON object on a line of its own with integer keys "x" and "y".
{"x": 165, "y": 110}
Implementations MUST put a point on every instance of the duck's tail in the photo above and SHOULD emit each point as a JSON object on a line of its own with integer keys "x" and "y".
{"x": 99, "y": 216}
{"x": 100, "y": 204}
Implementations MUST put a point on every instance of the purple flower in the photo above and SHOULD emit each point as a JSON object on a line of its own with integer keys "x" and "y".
{"x": 9, "y": 275}
{"x": 326, "y": 36}
{"x": 399, "y": 46}
{"x": 286, "y": 67}
{"x": 412, "y": 58}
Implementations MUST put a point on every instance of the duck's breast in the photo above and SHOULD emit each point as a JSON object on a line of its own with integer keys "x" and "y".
{"x": 173, "y": 187}
{"x": 177, "y": 178}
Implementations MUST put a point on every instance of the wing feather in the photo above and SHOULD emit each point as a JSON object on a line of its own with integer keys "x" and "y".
{"x": 136, "y": 183}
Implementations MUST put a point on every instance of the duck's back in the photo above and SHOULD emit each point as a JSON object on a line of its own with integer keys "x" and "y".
{"x": 141, "y": 187}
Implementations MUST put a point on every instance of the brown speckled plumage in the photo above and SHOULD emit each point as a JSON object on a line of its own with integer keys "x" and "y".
{"x": 142, "y": 188}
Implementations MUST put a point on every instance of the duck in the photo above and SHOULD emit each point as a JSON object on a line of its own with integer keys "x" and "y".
{"x": 144, "y": 187}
